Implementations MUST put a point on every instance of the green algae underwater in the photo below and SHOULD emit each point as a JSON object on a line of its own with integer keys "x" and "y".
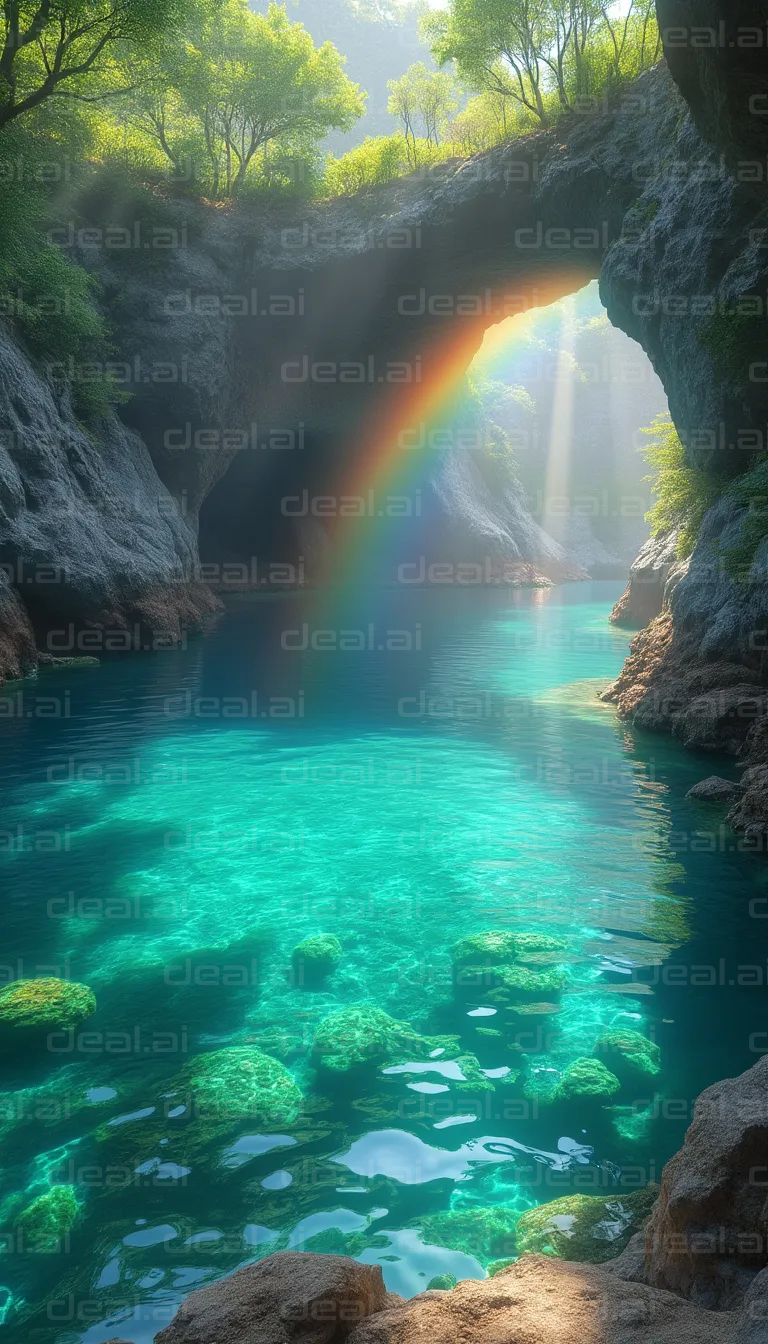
{"x": 408, "y": 951}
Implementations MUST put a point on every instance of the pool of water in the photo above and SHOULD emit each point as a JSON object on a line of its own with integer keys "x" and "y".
{"x": 401, "y": 772}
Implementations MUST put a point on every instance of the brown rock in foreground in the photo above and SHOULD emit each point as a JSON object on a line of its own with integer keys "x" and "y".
{"x": 286, "y": 1297}
{"x": 706, "y": 1236}
{"x": 544, "y": 1301}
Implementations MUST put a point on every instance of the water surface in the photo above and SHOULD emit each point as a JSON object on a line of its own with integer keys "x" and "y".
{"x": 399, "y": 771}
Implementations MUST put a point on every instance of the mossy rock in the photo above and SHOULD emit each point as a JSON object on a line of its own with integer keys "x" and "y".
{"x": 629, "y": 1055}
{"x": 489, "y": 949}
{"x": 37, "y": 1007}
{"x": 314, "y": 958}
{"x": 442, "y": 1283}
{"x": 48, "y": 1220}
{"x": 241, "y": 1083}
{"x": 485, "y": 1233}
{"x": 498, "y": 948}
{"x": 357, "y": 1037}
{"x": 512, "y": 983}
{"x": 587, "y": 1228}
{"x": 587, "y": 1080}
{"x": 496, "y": 1266}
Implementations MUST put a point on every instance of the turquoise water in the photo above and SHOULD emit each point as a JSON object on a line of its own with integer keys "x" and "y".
{"x": 174, "y": 825}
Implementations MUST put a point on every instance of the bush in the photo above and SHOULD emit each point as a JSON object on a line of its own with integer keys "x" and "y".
{"x": 378, "y": 160}
{"x": 49, "y": 301}
{"x": 683, "y": 492}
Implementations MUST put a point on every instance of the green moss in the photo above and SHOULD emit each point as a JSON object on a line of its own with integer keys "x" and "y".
{"x": 586, "y": 1228}
{"x": 361, "y": 1036}
{"x": 241, "y": 1083}
{"x": 496, "y": 1266}
{"x": 485, "y": 1233}
{"x": 442, "y": 1283}
{"x": 630, "y": 1055}
{"x": 731, "y": 337}
{"x": 316, "y": 957}
{"x": 490, "y": 949}
{"x": 750, "y": 492}
{"x": 48, "y": 1219}
{"x": 45, "y": 1005}
{"x": 587, "y": 1080}
{"x": 497, "y": 948}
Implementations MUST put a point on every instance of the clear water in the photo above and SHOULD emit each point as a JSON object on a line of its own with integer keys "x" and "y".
{"x": 184, "y": 820}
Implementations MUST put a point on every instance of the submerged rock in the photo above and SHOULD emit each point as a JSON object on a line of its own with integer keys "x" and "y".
{"x": 585, "y": 1227}
{"x": 287, "y": 1296}
{"x": 36, "y": 1007}
{"x": 47, "y": 1220}
{"x": 359, "y": 1036}
{"x": 241, "y": 1083}
{"x": 714, "y": 789}
{"x": 316, "y": 957}
{"x": 496, "y": 948}
{"x": 485, "y": 1233}
{"x": 587, "y": 1080}
{"x": 630, "y": 1055}
{"x": 442, "y": 1283}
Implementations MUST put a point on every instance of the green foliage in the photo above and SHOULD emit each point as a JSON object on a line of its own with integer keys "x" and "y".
{"x": 63, "y": 47}
{"x": 377, "y": 161}
{"x": 241, "y": 87}
{"x": 751, "y": 492}
{"x": 545, "y": 58}
{"x": 683, "y": 492}
{"x": 47, "y": 299}
{"x": 423, "y": 100}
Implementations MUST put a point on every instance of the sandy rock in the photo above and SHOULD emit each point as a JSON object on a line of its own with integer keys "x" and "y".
{"x": 706, "y": 1237}
{"x": 539, "y": 1300}
{"x": 714, "y": 789}
{"x": 285, "y": 1297}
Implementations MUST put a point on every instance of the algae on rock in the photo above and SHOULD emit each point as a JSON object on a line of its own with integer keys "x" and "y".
{"x": 35, "y": 1007}
{"x": 585, "y": 1227}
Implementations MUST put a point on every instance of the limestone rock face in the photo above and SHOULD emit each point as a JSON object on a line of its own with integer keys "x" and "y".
{"x": 644, "y": 596}
{"x": 89, "y": 535}
{"x": 539, "y": 1300}
{"x": 290, "y": 1296}
{"x": 706, "y": 1237}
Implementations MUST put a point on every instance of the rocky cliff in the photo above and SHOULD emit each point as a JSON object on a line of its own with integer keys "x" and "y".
{"x": 279, "y": 355}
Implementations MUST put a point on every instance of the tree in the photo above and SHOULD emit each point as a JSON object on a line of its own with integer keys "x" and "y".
{"x": 425, "y": 97}
{"x": 50, "y": 47}
{"x": 246, "y": 81}
{"x": 543, "y": 55}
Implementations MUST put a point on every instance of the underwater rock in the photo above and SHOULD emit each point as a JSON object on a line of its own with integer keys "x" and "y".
{"x": 540, "y": 1300}
{"x": 48, "y": 1219}
{"x": 714, "y": 789}
{"x": 36, "y": 1007}
{"x": 496, "y": 948}
{"x": 587, "y": 1080}
{"x": 285, "y": 1297}
{"x": 442, "y": 1283}
{"x": 48, "y": 660}
{"x": 241, "y": 1083}
{"x": 485, "y": 1233}
{"x": 632, "y": 1057}
{"x": 354, "y": 1037}
{"x": 585, "y": 1227}
{"x": 316, "y": 957}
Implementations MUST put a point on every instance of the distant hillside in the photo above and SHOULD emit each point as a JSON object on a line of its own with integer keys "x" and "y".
{"x": 376, "y": 49}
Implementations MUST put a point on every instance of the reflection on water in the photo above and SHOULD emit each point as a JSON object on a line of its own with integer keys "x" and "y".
{"x": 185, "y": 822}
